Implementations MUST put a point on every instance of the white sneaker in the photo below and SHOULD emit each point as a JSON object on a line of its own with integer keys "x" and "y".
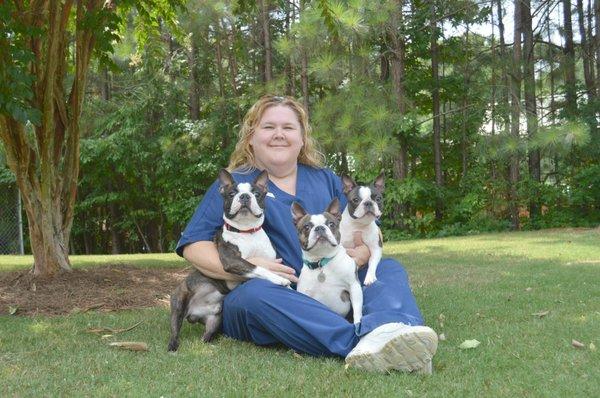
{"x": 395, "y": 346}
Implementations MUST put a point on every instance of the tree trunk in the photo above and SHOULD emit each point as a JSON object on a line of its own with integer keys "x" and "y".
{"x": 304, "y": 67}
{"x": 531, "y": 107}
{"x": 586, "y": 54}
{"x": 219, "y": 54}
{"x": 194, "y": 93}
{"x": 233, "y": 66}
{"x": 435, "y": 95}
{"x": 597, "y": 45}
{"x": 268, "y": 55}
{"x": 515, "y": 117}
{"x": 569, "y": 53}
{"x": 288, "y": 72}
{"x": 494, "y": 89}
{"x": 505, "y": 77}
{"x": 115, "y": 240}
{"x": 591, "y": 45}
{"x": 46, "y": 166}
{"x": 465, "y": 101}
{"x": 550, "y": 58}
{"x": 394, "y": 64}
{"x": 397, "y": 68}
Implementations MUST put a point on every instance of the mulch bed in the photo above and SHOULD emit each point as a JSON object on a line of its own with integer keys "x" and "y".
{"x": 106, "y": 288}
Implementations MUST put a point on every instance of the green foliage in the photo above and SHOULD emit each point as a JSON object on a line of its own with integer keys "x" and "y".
{"x": 146, "y": 163}
{"x": 15, "y": 78}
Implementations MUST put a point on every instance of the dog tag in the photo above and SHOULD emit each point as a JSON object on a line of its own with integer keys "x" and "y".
{"x": 321, "y": 277}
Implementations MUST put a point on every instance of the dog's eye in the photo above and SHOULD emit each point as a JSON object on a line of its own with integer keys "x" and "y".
{"x": 232, "y": 194}
{"x": 257, "y": 194}
{"x": 331, "y": 224}
{"x": 355, "y": 200}
{"x": 378, "y": 198}
{"x": 306, "y": 227}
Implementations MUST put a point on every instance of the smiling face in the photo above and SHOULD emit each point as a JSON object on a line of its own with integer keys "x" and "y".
{"x": 277, "y": 139}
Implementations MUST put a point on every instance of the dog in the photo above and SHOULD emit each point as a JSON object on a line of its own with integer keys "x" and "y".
{"x": 365, "y": 203}
{"x": 328, "y": 273}
{"x": 200, "y": 298}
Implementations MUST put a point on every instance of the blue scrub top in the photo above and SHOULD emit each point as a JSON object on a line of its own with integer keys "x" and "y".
{"x": 315, "y": 188}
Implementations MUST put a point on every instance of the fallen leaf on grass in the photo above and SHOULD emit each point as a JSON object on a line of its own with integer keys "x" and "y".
{"x": 104, "y": 330}
{"x": 130, "y": 345}
{"x": 442, "y": 337}
{"x": 528, "y": 289}
{"x": 592, "y": 347}
{"x": 468, "y": 344}
{"x": 12, "y": 310}
{"x": 541, "y": 314}
{"x": 577, "y": 344}
{"x": 346, "y": 366}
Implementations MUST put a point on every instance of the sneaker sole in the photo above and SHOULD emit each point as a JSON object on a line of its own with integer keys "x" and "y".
{"x": 406, "y": 352}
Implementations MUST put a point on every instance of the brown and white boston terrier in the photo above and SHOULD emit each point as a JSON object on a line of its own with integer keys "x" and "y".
{"x": 365, "y": 203}
{"x": 200, "y": 298}
{"x": 328, "y": 273}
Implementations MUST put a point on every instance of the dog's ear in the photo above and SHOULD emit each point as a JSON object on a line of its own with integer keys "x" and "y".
{"x": 226, "y": 180}
{"x": 349, "y": 183}
{"x": 379, "y": 183}
{"x": 261, "y": 181}
{"x": 334, "y": 208}
{"x": 297, "y": 212}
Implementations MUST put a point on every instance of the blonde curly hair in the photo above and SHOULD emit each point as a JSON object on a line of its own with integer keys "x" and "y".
{"x": 243, "y": 155}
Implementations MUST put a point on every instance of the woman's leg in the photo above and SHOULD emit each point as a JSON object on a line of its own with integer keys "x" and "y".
{"x": 389, "y": 299}
{"x": 392, "y": 335}
{"x": 264, "y": 313}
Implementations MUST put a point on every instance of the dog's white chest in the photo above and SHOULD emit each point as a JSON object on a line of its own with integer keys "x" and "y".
{"x": 348, "y": 226}
{"x": 255, "y": 244}
{"x": 331, "y": 284}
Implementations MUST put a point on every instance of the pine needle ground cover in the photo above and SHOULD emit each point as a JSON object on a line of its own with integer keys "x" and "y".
{"x": 530, "y": 299}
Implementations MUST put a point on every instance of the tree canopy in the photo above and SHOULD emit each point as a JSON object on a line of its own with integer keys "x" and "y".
{"x": 484, "y": 115}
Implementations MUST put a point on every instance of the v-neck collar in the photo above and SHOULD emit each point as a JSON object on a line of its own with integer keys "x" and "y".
{"x": 280, "y": 192}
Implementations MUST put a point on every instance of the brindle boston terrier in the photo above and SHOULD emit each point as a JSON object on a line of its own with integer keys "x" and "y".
{"x": 200, "y": 298}
{"x": 365, "y": 203}
{"x": 328, "y": 273}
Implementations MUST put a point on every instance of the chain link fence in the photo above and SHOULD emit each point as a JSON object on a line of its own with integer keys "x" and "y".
{"x": 11, "y": 225}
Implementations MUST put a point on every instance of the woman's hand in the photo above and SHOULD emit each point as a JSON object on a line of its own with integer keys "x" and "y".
{"x": 275, "y": 266}
{"x": 360, "y": 252}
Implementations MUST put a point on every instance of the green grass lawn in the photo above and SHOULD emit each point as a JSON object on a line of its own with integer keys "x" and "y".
{"x": 483, "y": 287}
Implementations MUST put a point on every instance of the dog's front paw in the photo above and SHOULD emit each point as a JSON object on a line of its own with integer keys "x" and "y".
{"x": 281, "y": 281}
{"x": 370, "y": 279}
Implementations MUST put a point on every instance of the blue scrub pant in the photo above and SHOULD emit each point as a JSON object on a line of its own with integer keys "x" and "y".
{"x": 264, "y": 313}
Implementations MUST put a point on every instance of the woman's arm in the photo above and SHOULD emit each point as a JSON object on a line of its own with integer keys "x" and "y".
{"x": 204, "y": 256}
{"x": 360, "y": 252}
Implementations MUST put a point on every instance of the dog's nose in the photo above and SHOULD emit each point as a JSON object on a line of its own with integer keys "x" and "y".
{"x": 244, "y": 198}
{"x": 320, "y": 229}
{"x": 368, "y": 204}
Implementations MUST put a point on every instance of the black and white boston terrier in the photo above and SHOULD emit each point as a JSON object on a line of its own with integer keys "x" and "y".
{"x": 365, "y": 203}
{"x": 328, "y": 273}
{"x": 200, "y": 298}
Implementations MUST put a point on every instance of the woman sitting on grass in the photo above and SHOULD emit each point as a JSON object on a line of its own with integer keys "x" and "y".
{"x": 275, "y": 136}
